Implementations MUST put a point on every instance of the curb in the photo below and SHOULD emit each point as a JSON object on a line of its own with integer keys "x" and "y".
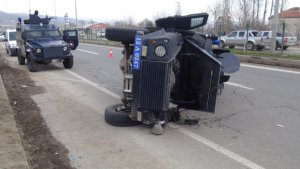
{"x": 270, "y": 61}
{"x": 12, "y": 154}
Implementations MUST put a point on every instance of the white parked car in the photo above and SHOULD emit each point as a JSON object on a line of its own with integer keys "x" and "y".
{"x": 100, "y": 34}
{"x": 2, "y": 37}
{"x": 10, "y": 42}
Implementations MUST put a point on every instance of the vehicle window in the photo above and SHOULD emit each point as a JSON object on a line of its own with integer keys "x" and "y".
{"x": 266, "y": 34}
{"x": 72, "y": 33}
{"x": 254, "y": 33}
{"x": 250, "y": 34}
{"x": 241, "y": 34}
{"x": 232, "y": 34}
{"x": 12, "y": 36}
{"x": 51, "y": 33}
{"x": 34, "y": 34}
{"x": 278, "y": 34}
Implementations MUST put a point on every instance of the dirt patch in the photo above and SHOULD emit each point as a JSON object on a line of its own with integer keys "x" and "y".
{"x": 42, "y": 150}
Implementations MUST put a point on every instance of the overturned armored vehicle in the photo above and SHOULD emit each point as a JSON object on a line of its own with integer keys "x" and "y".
{"x": 39, "y": 42}
{"x": 167, "y": 68}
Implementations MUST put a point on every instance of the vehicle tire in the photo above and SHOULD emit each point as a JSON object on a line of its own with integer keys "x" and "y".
{"x": 21, "y": 59}
{"x": 117, "y": 117}
{"x": 259, "y": 48}
{"x": 249, "y": 45}
{"x": 124, "y": 35}
{"x": 231, "y": 46}
{"x": 32, "y": 65}
{"x": 285, "y": 47}
{"x": 222, "y": 44}
{"x": 68, "y": 63}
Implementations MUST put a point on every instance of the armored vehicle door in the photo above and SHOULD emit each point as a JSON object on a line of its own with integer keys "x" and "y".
{"x": 71, "y": 37}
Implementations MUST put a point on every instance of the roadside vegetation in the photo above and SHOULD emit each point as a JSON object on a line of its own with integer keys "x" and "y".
{"x": 265, "y": 54}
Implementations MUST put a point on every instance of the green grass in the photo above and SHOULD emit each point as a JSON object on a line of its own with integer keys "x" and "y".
{"x": 265, "y": 54}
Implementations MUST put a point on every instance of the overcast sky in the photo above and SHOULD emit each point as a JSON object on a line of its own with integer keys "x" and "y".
{"x": 110, "y": 10}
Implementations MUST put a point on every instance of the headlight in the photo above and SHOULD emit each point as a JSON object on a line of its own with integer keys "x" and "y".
{"x": 160, "y": 51}
{"x": 38, "y": 50}
{"x": 65, "y": 49}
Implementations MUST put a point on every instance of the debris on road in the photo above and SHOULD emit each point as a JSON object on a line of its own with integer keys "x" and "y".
{"x": 279, "y": 125}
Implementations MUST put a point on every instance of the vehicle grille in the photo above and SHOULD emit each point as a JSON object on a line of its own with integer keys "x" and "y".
{"x": 53, "y": 52}
{"x": 154, "y": 93}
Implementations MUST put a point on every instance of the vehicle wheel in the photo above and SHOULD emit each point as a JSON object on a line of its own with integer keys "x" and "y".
{"x": 68, "y": 63}
{"x": 116, "y": 117}
{"x": 21, "y": 59}
{"x": 231, "y": 46}
{"x": 222, "y": 44}
{"x": 259, "y": 48}
{"x": 32, "y": 65}
{"x": 285, "y": 47}
{"x": 249, "y": 45}
{"x": 124, "y": 35}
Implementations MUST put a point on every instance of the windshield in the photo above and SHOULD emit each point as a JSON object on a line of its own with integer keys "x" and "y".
{"x": 42, "y": 33}
{"x": 12, "y": 36}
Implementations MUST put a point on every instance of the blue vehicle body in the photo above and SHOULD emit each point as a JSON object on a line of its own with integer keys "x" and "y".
{"x": 40, "y": 42}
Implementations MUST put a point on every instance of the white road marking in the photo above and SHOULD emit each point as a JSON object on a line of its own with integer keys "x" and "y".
{"x": 272, "y": 69}
{"x": 120, "y": 48}
{"x": 95, "y": 85}
{"x": 88, "y": 51}
{"x": 191, "y": 134}
{"x": 238, "y": 85}
{"x": 217, "y": 148}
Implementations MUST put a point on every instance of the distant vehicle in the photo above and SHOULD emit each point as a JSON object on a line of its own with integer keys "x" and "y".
{"x": 40, "y": 42}
{"x": 239, "y": 38}
{"x": 2, "y": 37}
{"x": 10, "y": 42}
{"x": 288, "y": 40}
{"x": 100, "y": 34}
{"x": 81, "y": 33}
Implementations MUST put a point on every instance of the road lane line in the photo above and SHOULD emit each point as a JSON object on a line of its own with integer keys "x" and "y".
{"x": 95, "y": 85}
{"x": 239, "y": 85}
{"x": 217, "y": 147}
{"x": 191, "y": 134}
{"x": 88, "y": 51}
{"x": 120, "y": 48}
{"x": 272, "y": 69}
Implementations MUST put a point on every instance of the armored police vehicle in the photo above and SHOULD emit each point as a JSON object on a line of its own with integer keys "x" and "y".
{"x": 168, "y": 68}
{"x": 40, "y": 42}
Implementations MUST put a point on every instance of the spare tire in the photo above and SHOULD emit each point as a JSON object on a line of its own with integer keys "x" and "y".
{"x": 124, "y": 35}
{"x": 117, "y": 117}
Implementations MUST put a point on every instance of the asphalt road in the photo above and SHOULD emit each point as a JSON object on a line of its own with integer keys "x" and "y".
{"x": 256, "y": 124}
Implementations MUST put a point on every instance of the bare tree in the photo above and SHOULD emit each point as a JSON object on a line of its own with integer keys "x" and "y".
{"x": 222, "y": 13}
{"x": 265, "y": 12}
{"x": 271, "y": 10}
{"x": 283, "y": 5}
{"x": 146, "y": 23}
{"x": 253, "y": 12}
{"x": 160, "y": 14}
{"x": 244, "y": 13}
{"x": 257, "y": 12}
{"x": 126, "y": 22}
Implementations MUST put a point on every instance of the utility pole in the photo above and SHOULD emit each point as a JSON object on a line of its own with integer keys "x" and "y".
{"x": 275, "y": 26}
{"x": 76, "y": 14}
